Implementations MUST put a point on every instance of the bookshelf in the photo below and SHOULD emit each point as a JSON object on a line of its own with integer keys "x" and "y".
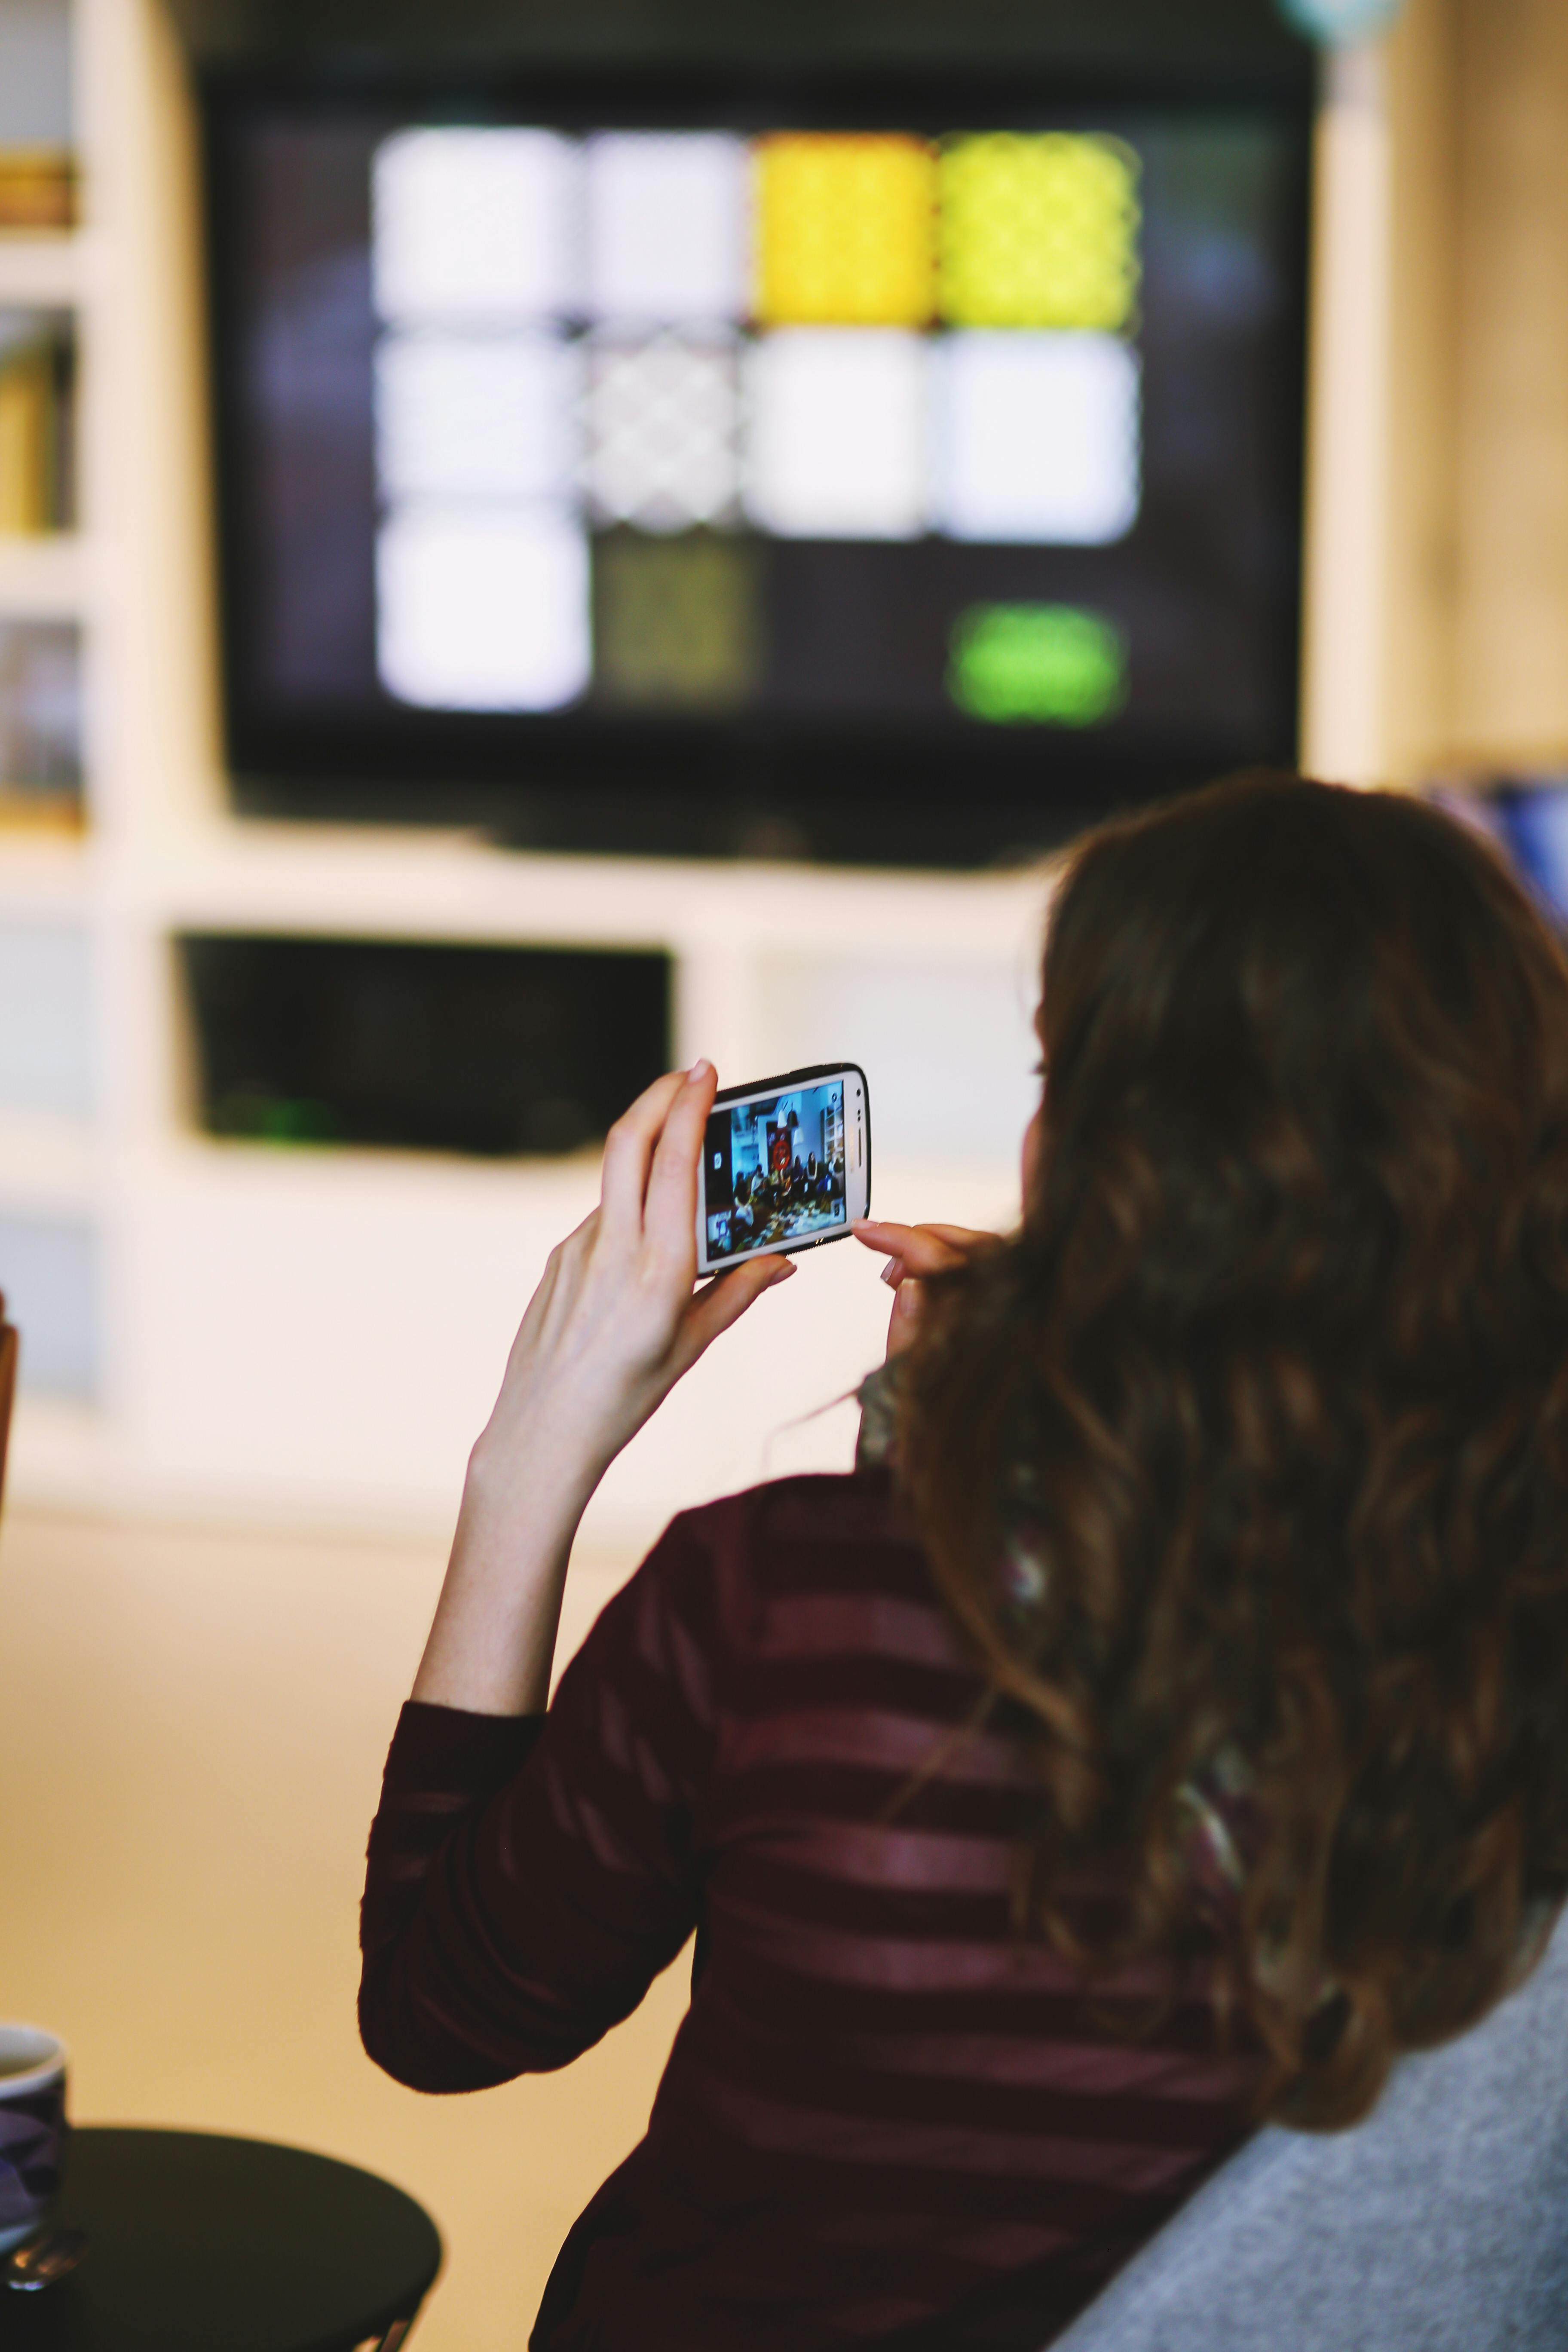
{"x": 45, "y": 577}
{"x": 56, "y": 268}
{"x": 313, "y": 1336}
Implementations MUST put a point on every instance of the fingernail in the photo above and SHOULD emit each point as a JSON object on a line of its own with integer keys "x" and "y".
{"x": 785, "y": 1267}
{"x": 700, "y": 1069}
{"x": 889, "y": 1274}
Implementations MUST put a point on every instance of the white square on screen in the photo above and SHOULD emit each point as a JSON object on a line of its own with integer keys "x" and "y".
{"x": 668, "y": 226}
{"x": 663, "y": 430}
{"x": 476, "y": 224}
{"x": 481, "y": 610}
{"x": 835, "y": 433}
{"x": 476, "y": 415}
{"x": 1036, "y": 438}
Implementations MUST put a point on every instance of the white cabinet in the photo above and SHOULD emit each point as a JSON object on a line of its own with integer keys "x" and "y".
{"x": 308, "y": 1335}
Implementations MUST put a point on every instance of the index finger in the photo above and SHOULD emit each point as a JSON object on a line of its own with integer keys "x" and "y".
{"x": 878, "y": 1234}
{"x": 670, "y": 1214}
{"x": 629, "y": 1148}
{"x": 918, "y": 1249}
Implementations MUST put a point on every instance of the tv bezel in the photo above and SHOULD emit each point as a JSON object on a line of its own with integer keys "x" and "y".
{"x": 747, "y": 784}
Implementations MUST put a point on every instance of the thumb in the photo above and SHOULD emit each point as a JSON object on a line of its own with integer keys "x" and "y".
{"x": 722, "y": 1303}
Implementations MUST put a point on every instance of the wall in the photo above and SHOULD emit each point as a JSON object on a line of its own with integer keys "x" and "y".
{"x": 1510, "y": 645}
{"x": 1418, "y": 587}
{"x": 1476, "y": 593}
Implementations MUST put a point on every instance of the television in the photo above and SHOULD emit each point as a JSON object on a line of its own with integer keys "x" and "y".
{"x": 903, "y": 468}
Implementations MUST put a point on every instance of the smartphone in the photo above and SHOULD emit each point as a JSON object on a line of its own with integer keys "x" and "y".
{"x": 787, "y": 1165}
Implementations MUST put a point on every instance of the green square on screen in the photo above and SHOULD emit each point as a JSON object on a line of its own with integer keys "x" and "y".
{"x": 1042, "y": 664}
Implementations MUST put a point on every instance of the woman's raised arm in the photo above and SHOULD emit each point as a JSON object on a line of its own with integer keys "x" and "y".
{"x": 613, "y": 1326}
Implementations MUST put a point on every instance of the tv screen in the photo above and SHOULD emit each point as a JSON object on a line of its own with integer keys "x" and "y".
{"x": 721, "y": 471}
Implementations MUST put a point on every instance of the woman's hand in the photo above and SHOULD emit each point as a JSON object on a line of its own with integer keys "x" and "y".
{"x": 612, "y": 1326}
{"x": 912, "y": 1251}
{"x": 615, "y": 1323}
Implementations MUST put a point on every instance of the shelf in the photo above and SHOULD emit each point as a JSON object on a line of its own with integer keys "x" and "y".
{"x": 46, "y": 1163}
{"x": 55, "y": 272}
{"x": 372, "y": 881}
{"x": 46, "y": 578}
{"x": 231, "y": 1170}
{"x": 44, "y": 871}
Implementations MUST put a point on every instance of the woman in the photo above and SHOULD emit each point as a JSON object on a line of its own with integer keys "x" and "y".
{"x": 1171, "y": 1732}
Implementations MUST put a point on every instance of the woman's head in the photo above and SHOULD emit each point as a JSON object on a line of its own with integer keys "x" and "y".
{"x": 1248, "y": 1456}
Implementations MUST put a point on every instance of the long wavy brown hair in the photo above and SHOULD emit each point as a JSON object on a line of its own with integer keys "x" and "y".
{"x": 1244, "y": 1464}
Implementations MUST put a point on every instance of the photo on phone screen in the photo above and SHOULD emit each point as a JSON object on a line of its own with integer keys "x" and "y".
{"x": 786, "y": 1168}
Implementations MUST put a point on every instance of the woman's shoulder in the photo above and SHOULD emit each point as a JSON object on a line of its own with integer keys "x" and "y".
{"x": 856, "y": 1509}
{"x": 827, "y": 1560}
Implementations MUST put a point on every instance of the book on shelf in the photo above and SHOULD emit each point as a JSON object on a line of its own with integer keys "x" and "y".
{"x": 40, "y": 726}
{"x": 38, "y": 188}
{"x": 37, "y": 456}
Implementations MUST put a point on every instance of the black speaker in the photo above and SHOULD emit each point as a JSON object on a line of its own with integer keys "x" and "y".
{"x": 489, "y": 1051}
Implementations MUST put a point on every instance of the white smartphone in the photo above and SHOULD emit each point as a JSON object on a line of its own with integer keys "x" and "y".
{"x": 787, "y": 1165}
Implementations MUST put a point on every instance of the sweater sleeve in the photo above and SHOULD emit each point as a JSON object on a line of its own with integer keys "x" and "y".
{"x": 529, "y": 1877}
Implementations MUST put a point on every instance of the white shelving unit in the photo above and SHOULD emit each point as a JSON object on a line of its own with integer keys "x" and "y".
{"x": 48, "y": 269}
{"x": 315, "y": 1336}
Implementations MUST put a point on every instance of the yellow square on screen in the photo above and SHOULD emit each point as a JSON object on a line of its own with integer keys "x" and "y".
{"x": 1037, "y": 230}
{"x": 846, "y": 230}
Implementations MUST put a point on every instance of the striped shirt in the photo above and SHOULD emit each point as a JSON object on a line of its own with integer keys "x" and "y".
{"x": 887, "y": 2118}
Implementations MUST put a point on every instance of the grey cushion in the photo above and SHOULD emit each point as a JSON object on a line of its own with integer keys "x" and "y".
{"x": 1438, "y": 2225}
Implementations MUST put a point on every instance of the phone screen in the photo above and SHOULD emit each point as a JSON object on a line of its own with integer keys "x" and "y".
{"x": 775, "y": 1170}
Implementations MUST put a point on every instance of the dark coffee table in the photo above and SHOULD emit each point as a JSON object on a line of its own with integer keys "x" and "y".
{"x": 200, "y": 2243}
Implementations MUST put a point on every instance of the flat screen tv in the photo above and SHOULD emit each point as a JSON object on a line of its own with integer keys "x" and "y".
{"x": 905, "y": 473}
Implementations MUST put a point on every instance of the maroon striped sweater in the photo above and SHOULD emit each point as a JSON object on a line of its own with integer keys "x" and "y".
{"x": 884, "y": 2120}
